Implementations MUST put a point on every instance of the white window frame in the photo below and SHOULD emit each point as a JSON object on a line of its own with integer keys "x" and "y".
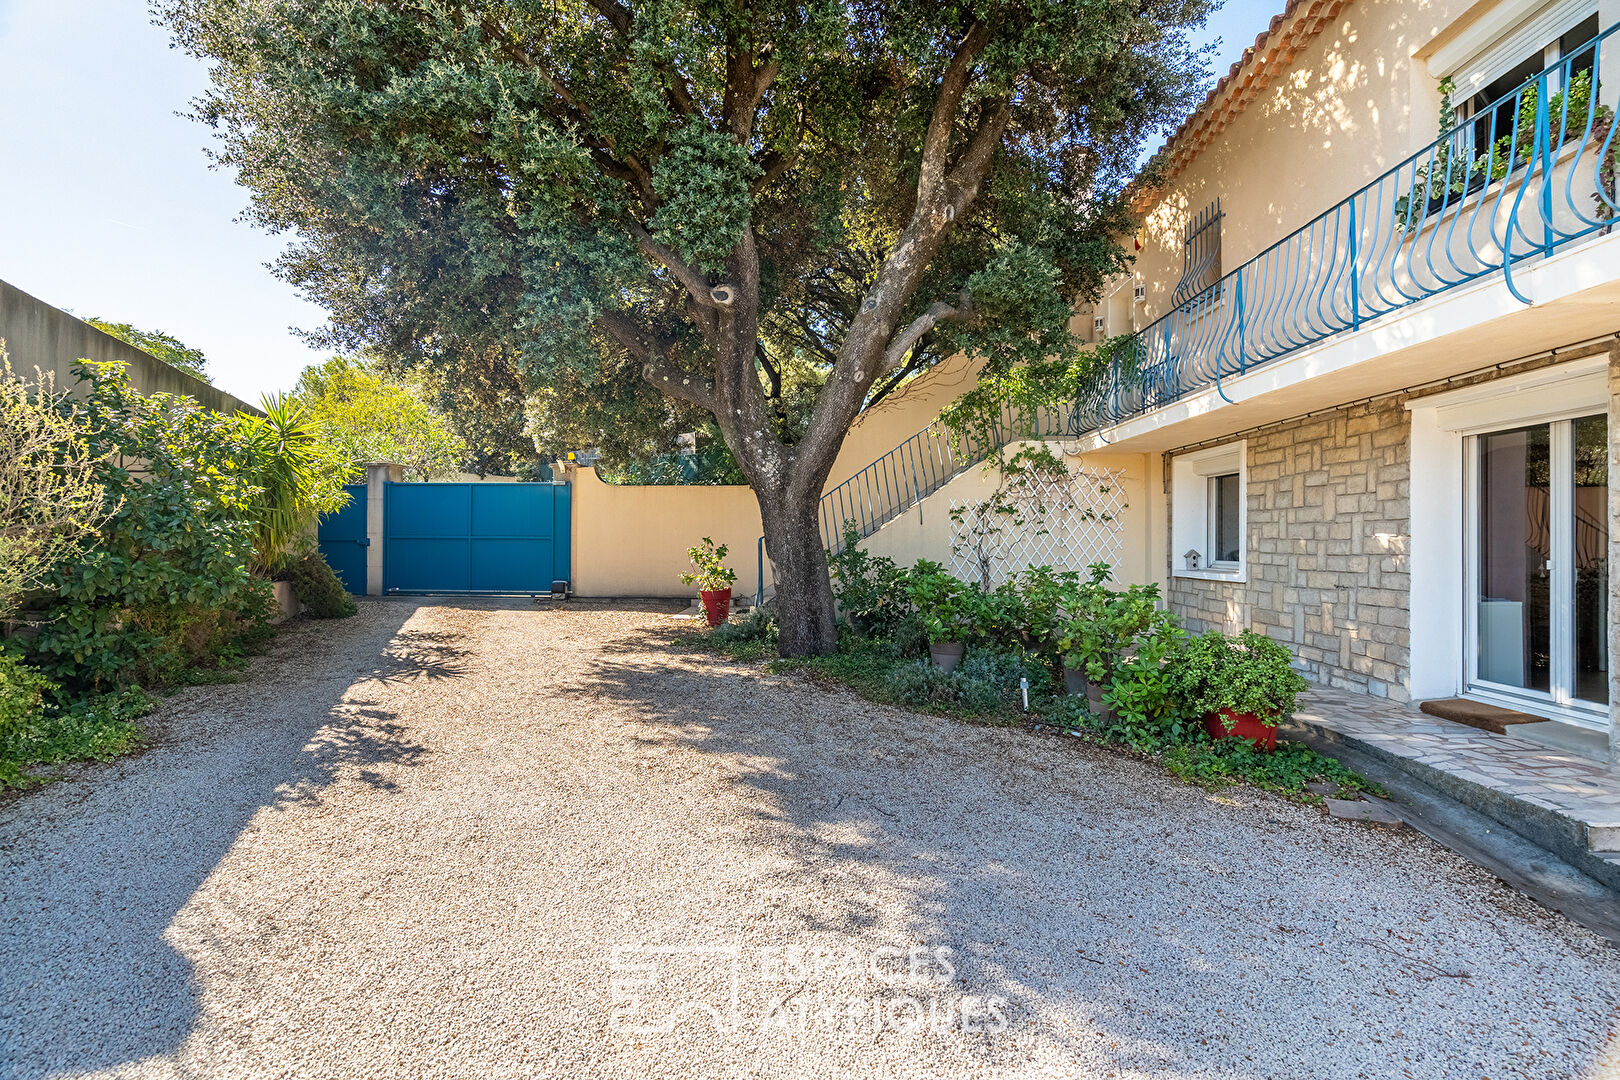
{"x": 1444, "y": 491}
{"x": 1501, "y": 38}
{"x": 1192, "y": 511}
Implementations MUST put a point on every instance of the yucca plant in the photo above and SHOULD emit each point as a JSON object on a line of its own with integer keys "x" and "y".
{"x": 295, "y": 477}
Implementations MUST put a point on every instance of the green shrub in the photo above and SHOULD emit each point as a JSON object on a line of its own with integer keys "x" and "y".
{"x": 748, "y": 638}
{"x": 318, "y": 588}
{"x": 1246, "y": 674}
{"x": 949, "y": 609}
{"x": 34, "y": 730}
{"x": 1141, "y": 689}
{"x": 22, "y": 696}
{"x": 167, "y": 585}
{"x": 869, "y": 588}
{"x": 985, "y": 681}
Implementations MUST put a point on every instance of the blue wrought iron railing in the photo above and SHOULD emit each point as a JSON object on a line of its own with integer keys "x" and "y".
{"x": 1521, "y": 178}
{"x": 914, "y": 470}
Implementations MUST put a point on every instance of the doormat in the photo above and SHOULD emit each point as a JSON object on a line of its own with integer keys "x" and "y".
{"x": 1477, "y": 714}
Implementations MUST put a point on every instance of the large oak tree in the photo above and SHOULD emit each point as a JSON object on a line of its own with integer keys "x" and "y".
{"x": 635, "y": 214}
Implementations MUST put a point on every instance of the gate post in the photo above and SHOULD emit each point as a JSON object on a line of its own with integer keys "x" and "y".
{"x": 378, "y": 475}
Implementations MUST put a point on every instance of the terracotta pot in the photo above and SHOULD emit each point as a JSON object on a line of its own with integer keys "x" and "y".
{"x": 716, "y": 605}
{"x": 1244, "y": 726}
{"x": 1075, "y": 681}
{"x": 946, "y": 655}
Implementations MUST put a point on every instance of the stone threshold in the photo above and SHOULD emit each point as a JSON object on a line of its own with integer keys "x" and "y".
{"x": 1566, "y": 803}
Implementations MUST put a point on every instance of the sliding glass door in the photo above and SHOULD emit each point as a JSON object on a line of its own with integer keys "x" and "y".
{"x": 1539, "y": 563}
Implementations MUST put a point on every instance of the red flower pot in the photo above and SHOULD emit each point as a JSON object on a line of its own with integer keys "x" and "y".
{"x": 716, "y": 605}
{"x": 1244, "y": 726}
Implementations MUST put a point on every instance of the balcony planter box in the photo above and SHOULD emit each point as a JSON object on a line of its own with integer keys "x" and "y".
{"x": 946, "y": 655}
{"x": 287, "y": 604}
{"x": 716, "y": 605}
{"x": 1244, "y": 726}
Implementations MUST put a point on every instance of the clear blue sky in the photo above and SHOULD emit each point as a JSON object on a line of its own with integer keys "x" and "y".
{"x": 108, "y": 206}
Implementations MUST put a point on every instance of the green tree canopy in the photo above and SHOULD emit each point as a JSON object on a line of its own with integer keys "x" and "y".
{"x": 364, "y": 416}
{"x": 648, "y": 211}
{"x": 166, "y": 347}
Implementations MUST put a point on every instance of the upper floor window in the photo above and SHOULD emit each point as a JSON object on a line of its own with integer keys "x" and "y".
{"x": 1558, "y": 30}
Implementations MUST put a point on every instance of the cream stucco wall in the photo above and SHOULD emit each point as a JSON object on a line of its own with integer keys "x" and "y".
{"x": 1355, "y": 102}
{"x": 924, "y": 531}
{"x": 631, "y": 540}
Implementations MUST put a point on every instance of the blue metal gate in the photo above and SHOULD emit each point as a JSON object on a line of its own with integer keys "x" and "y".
{"x": 482, "y": 538}
{"x": 343, "y": 540}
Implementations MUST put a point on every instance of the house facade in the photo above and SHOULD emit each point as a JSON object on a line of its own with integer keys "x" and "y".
{"x": 1366, "y": 355}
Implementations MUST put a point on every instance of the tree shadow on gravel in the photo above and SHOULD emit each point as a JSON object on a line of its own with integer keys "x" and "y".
{"x": 99, "y": 867}
{"x": 1137, "y": 923}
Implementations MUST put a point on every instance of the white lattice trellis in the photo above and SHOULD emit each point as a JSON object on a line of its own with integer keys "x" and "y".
{"x": 1070, "y": 525}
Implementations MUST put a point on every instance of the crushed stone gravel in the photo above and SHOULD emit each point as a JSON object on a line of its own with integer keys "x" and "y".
{"x": 495, "y": 838}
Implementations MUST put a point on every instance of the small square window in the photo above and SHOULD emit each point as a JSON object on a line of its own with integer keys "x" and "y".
{"x": 1225, "y": 520}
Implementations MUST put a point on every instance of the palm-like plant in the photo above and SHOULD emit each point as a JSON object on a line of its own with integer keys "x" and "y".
{"x": 295, "y": 476}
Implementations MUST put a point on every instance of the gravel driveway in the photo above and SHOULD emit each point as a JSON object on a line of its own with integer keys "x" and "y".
{"x": 492, "y": 839}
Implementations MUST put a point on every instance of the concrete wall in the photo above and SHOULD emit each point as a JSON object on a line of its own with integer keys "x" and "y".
{"x": 38, "y": 335}
{"x": 631, "y": 540}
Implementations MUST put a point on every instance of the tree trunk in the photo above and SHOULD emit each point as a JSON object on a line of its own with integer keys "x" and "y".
{"x": 804, "y": 599}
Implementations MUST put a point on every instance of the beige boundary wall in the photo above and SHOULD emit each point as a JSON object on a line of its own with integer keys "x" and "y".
{"x": 38, "y": 335}
{"x": 631, "y": 540}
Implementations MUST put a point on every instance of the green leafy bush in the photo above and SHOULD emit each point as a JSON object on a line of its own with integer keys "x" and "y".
{"x": 22, "y": 696}
{"x": 948, "y": 609}
{"x": 318, "y": 588}
{"x": 748, "y": 638}
{"x": 36, "y": 730}
{"x": 868, "y": 588}
{"x": 1141, "y": 689}
{"x": 986, "y": 680}
{"x": 1247, "y": 674}
{"x": 167, "y": 585}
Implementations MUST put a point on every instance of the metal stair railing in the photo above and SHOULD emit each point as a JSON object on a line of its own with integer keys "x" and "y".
{"x": 912, "y": 471}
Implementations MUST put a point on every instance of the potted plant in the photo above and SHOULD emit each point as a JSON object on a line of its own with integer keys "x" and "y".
{"x": 713, "y": 579}
{"x": 1242, "y": 687}
{"x": 1101, "y": 631}
{"x": 947, "y": 608}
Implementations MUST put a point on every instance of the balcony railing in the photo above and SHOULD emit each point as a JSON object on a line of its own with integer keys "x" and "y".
{"x": 1523, "y": 178}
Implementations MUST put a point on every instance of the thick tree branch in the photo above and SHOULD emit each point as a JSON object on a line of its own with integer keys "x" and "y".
{"x": 695, "y": 283}
{"x": 901, "y": 345}
{"x": 654, "y": 367}
{"x": 973, "y": 166}
{"x": 937, "y": 142}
